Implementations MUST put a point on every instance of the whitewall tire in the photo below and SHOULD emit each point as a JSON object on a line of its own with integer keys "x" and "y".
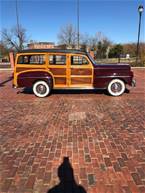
{"x": 41, "y": 89}
{"x": 116, "y": 87}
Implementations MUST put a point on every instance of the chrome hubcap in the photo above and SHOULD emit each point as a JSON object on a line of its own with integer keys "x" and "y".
{"x": 41, "y": 89}
{"x": 116, "y": 87}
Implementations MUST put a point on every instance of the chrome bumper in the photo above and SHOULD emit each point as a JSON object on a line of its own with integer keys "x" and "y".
{"x": 133, "y": 84}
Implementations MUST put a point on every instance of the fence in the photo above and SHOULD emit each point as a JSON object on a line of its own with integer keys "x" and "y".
{"x": 131, "y": 61}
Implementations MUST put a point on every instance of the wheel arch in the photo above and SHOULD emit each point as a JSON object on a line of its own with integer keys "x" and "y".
{"x": 29, "y": 77}
{"x": 119, "y": 78}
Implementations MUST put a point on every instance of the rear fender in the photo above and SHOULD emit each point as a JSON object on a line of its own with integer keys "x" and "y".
{"x": 28, "y": 78}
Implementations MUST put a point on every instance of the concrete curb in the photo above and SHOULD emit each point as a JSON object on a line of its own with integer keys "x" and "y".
{"x": 6, "y": 69}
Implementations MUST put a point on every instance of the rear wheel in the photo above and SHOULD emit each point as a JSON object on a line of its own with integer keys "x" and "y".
{"x": 116, "y": 87}
{"x": 41, "y": 89}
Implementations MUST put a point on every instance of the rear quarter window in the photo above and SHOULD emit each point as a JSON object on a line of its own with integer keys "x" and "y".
{"x": 31, "y": 59}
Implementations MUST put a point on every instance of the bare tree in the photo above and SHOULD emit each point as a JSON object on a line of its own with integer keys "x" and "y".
{"x": 99, "y": 36}
{"x": 99, "y": 43}
{"x": 67, "y": 36}
{"x": 88, "y": 42}
{"x": 14, "y": 38}
{"x": 84, "y": 41}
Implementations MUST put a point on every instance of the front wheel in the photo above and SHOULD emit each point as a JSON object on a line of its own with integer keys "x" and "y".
{"x": 41, "y": 89}
{"x": 116, "y": 87}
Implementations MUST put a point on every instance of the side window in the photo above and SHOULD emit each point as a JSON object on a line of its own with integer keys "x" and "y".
{"x": 57, "y": 59}
{"x": 31, "y": 59}
{"x": 79, "y": 60}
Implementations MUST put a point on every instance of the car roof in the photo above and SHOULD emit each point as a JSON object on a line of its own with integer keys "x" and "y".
{"x": 53, "y": 51}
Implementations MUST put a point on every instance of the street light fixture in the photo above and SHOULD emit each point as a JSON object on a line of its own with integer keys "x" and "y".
{"x": 140, "y": 10}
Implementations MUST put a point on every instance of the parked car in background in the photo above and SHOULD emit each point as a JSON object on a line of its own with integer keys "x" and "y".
{"x": 47, "y": 69}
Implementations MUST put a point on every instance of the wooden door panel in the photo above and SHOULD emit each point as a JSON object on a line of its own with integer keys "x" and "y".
{"x": 81, "y": 71}
{"x": 57, "y": 64}
{"x": 20, "y": 69}
{"x": 81, "y": 77}
{"x": 60, "y": 80}
{"x": 58, "y": 71}
{"x": 81, "y": 81}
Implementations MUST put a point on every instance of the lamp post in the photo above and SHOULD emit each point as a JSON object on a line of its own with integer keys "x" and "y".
{"x": 140, "y": 10}
{"x": 78, "y": 24}
{"x": 17, "y": 16}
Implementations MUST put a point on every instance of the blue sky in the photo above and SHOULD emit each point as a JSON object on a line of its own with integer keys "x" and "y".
{"x": 117, "y": 19}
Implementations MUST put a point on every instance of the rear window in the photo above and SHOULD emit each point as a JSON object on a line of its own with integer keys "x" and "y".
{"x": 31, "y": 59}
{"x": 57, "y": 59}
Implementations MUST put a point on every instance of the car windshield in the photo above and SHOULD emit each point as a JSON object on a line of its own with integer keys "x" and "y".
{"x": 91, "y": 58}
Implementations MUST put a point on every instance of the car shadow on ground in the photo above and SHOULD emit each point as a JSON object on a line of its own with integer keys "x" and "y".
{"x": 79, "y": 91}
{"x": 67, "y": 182}
{"x": 69, "y": 91}
{"x": 5, "y": 81}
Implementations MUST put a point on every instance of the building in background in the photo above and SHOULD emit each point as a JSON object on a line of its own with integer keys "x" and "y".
{"x": 41, "y": 45}
{"x": 51, "y": 45}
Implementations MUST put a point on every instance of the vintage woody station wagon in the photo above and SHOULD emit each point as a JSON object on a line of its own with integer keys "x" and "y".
{"x": 48, "y": 69}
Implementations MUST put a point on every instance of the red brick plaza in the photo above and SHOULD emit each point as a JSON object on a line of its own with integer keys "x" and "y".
{"x": 103, "y": 138}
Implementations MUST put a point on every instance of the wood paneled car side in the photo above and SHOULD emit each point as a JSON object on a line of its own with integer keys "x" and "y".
{"x": 55, "y": 69}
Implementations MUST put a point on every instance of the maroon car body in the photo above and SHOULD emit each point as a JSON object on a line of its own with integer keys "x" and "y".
{"x": 104, "y": 73}
{"x": 83, "y": 73}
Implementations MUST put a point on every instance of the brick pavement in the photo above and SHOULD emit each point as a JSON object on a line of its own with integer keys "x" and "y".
{"x": 103, "y": 137}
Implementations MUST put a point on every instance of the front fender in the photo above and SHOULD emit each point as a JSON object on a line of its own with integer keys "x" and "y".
{"x": 103, "y": 81}
{"x": 28, "y": 78}
{"x": 104, "y": 74}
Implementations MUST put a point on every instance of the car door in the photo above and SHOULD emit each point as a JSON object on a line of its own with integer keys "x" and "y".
{"x": 57, "y": 65}
{"x": 81, "y": 71}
